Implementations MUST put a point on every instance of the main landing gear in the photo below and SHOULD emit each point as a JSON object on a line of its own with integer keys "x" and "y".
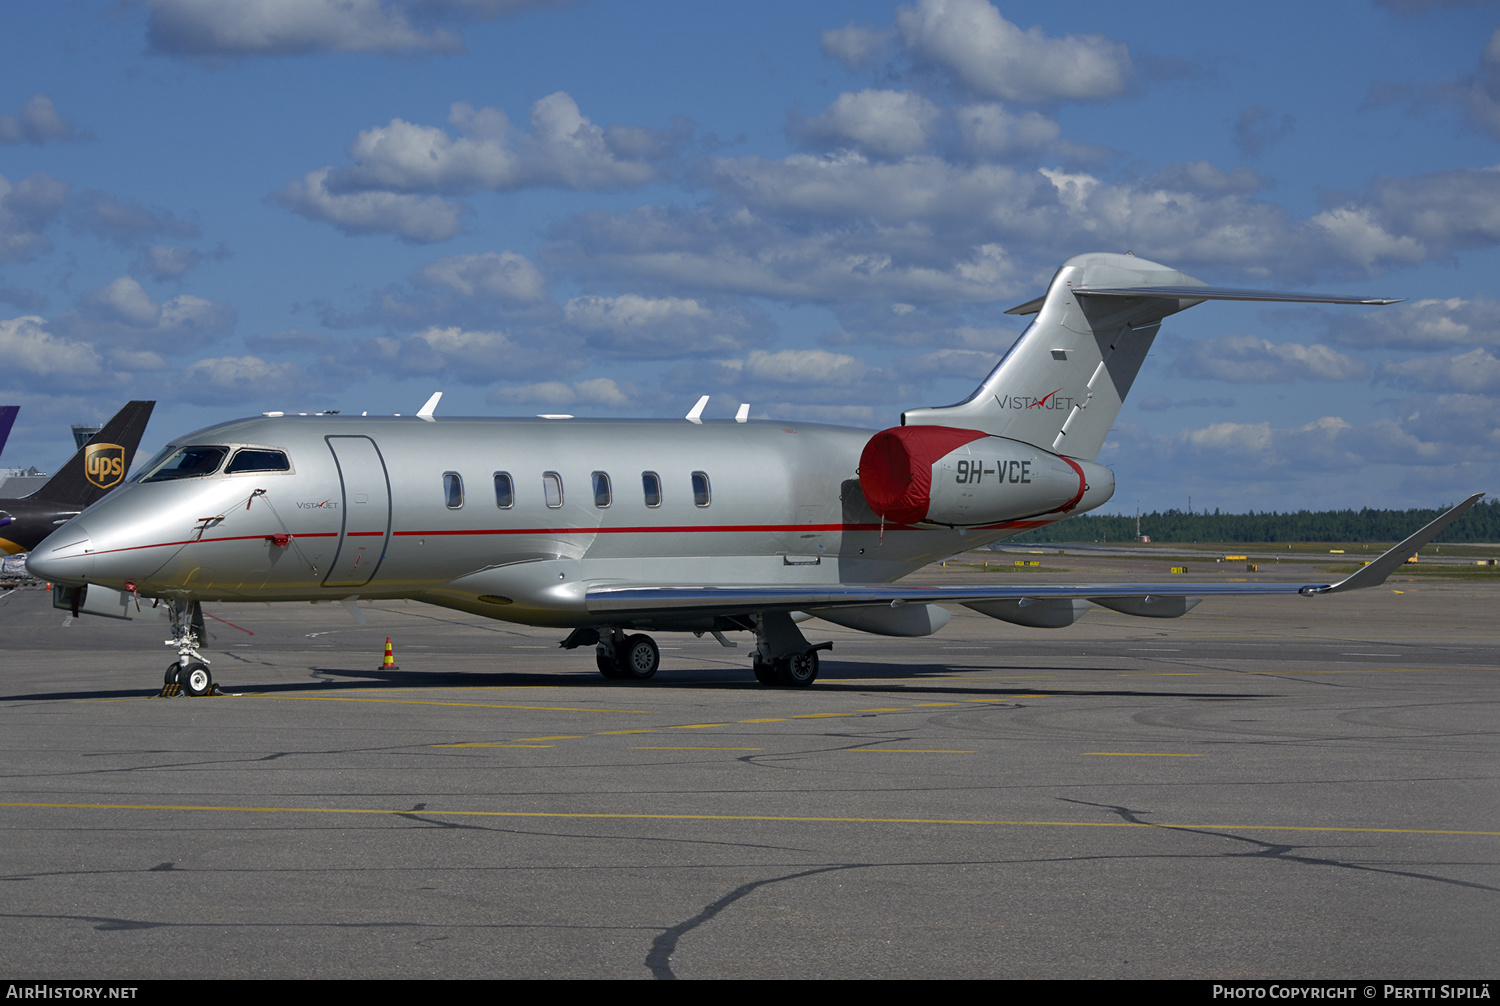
{"x": 188, "y": 674}
{"x": 626, "y": 658}
{"x": 783, "y": 658}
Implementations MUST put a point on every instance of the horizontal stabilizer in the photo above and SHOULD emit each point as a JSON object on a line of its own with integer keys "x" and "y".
{"x": 1209, "y": 293}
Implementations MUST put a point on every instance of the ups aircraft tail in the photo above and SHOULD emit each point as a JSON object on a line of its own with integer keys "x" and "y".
{"x": 1061, "y": 385}
{"x": 102, "y": 463}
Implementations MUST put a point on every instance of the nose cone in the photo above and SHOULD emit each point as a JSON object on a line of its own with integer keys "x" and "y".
{"x": 66, "y": 555}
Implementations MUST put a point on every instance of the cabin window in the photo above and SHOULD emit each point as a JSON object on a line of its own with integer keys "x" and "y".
{"x": 552, "y": 489}
{"x": 453, "y": 490}
{"x": 602, "y": 495}
{"x": 505, "y": 491}
{"x": 256, "y": 460}
{"x": 651, "y": 483}
{"x": 187, "y": 463}
{"x": 701, "y": 496}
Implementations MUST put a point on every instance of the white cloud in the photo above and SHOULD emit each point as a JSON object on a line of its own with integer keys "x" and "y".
{"x": 887, "y": 123}
{"x": 1204, "y": 178}
{"x": 854, "y": 46}
{"x": 418, "y": 219}
{"x": 967, "y": 364}
{"x": 745, "y": 254}
{"x": 803, "y": 366}
{"x": 164, "y": 262}
{"x": 284, "y": 27}
{"x": 505, "y": 275}
{"x": 123, "y": 312}
{"x": 1421, "y": 324}
{"x": 209, "y": 28}
{"x": 991, "y": 130}
{"x": 1472, "y": 372}
{"x": 600, "y": 391}
{"x": 1255, "y": 132}
{"x": 31, "y": 352}
{"x": 996, "y": 58}
{"x": 1356, "y": 236}
{"x": 240, "y": 378}
{"x": 124, "y": 223}
{"x": 1248, "y": 359}
{"x": 563, "y": 150}
{"x": 658, "y": 327}
{"x": 38, "y": 123}
{"x": 473, "y": 356}
{"x": 27, "y": 209}
{"x": 566, "y": 149}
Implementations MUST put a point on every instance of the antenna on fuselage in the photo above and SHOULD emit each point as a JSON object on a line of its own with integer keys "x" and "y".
{"x": 426, "y": 411}
{"x": 743, "y": 415}
{"x": 695, "y": 415}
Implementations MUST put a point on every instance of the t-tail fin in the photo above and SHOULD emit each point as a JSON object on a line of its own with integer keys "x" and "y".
{"x": 1061, "y": 385}
{"x": 102, "y": 463}
{"x": 7, "y": 420}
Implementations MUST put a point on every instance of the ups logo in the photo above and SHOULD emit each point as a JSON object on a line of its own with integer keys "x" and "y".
{"x": 104, "y": 464}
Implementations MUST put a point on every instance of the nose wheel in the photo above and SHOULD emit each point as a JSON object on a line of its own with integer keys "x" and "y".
{"x": 189, "y": 673}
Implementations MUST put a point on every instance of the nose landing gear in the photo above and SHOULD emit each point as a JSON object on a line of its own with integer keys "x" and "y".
{"x": 189, "y": 673}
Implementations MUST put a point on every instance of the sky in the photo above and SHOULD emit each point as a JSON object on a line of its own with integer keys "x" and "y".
{"x": 609, "y": 208}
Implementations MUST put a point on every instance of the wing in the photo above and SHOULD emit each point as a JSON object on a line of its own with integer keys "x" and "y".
{"x": 1153, "y": 599}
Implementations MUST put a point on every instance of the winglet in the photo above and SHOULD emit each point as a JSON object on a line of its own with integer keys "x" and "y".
{"x": 1375, "y": 573}
{"x": 695, "y": 414}
{"x": 426, "y": 411}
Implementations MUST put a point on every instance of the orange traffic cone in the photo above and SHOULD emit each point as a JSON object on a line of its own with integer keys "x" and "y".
{"x": 389, "y": 663}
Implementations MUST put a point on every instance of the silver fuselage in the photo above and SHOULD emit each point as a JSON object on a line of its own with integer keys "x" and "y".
{"x": 363, "y": 512}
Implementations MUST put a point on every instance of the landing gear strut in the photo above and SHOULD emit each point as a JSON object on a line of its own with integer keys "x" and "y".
{"x": 783, "y": 657}
{"x": 189, "y": 674}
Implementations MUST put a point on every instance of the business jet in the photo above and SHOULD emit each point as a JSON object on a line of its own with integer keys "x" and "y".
{"x": 614, "y": 529}
{"x": 99, "y": 466}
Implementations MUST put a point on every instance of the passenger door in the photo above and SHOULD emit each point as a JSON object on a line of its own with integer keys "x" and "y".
{"x": 365, "y": 509}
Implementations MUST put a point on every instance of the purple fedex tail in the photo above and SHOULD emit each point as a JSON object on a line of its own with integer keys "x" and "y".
{"x": 7, "y": 420}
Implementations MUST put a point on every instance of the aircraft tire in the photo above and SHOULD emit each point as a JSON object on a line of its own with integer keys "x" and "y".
{"x": 765, "y": 673}
{"x": 196, "y": 680}
{"x": 638, "y": 658}
{"x": 171, "y": 676}
{"x": 799, "y": 670}
{"x": 605, "y": 661}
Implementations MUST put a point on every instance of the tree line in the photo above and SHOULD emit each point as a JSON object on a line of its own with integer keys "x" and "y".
{"x": 1480, "y": 524}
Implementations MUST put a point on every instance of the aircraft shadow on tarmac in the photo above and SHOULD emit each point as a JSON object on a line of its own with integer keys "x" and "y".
{"x": 862, "y": 678}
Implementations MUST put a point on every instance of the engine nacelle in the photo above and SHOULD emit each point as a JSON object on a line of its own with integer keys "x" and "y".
{"x": 965, "y": 478}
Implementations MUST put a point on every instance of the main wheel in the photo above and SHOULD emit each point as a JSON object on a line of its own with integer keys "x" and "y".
{"x": 638, "y": 658}
{"x": 196, "y": 680}
{"x": 765, "y": 673}
{"x": 605, "y": 661}
{"x": 800, "y": 669}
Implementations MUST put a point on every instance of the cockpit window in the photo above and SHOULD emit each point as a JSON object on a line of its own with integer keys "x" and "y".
{"x": 187, "y": 463}
{"x": 252, "y": 459}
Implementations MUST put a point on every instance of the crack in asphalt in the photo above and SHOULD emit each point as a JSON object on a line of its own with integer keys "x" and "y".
{"x": 1280, "y": 852}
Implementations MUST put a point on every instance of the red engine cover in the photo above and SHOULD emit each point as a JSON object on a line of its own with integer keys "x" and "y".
{"x": 895, "y": 469}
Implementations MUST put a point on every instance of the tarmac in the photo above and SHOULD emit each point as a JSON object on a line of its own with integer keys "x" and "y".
{"x": 1281, "y": 787}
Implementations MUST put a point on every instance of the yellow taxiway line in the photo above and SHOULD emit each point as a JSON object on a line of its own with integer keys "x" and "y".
{"x": 751, "y": 818}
